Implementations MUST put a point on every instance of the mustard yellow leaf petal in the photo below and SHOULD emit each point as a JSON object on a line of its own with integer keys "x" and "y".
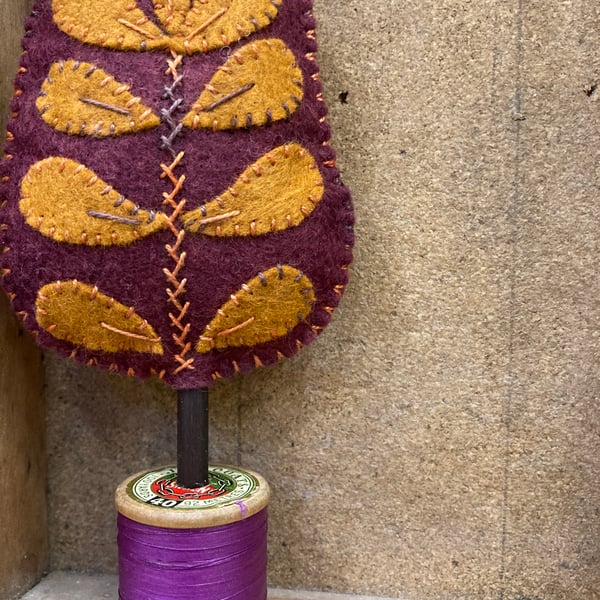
{"x": 68, "y": 202}
{"x": 278, "y": 191}
{"x": 210, "y": 24}
{"x": 116, "y": 24}
{"x": 79, "y": 98}
{"x": 80, "y": 314}
{"x": 258, "y": 84}
{"x": 266, "y": 308}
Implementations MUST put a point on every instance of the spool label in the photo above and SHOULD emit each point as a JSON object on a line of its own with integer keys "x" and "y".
{"x": 160, "y": 489}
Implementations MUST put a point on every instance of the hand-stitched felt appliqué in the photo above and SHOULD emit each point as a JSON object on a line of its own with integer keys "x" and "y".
{"x": 180, "y": 26}
{"x": 259, "y": 84}
{"x": 81, "y": 314}
{"x": 170, "y": 204}
{"x": 68, "y": 203}
{"x": 82, "y": 99}
{"x": 288, "y": 177}
{"x": 264, "y": 309}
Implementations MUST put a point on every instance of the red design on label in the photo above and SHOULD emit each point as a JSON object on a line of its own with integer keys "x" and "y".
{"x": 170, "y": 490}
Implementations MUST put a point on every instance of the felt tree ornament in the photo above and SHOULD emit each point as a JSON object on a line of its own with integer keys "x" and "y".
{"x": 170, "y": 201}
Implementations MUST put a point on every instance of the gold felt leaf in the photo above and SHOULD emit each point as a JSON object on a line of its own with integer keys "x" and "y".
{"x": 266, "y": 308}
{"x": 278, "y": 191}
{"x": 203, "y": 25}
{"x": 116, "y": 24}
{"x": 79, "y": 98}
{"x": 80, "y": 314}
{"x": 190, "y": 26}
{"x": 67, "y": 202}
{"x": 258, "y": 84}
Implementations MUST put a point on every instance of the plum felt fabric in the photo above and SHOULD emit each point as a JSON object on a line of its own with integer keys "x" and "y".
{"x": 183, "y": 174}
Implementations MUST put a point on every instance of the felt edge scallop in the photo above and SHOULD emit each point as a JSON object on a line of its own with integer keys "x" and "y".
{"x": 264, "y": 309}
{"x": 82, "y": 315}
{"x": 79, "y": 98}
{"x": 69, "y": 203}
{"x": 277, "y": 192}
{"x": 259, "y": 84}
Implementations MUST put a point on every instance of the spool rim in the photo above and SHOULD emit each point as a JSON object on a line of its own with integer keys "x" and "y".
{"x": 230, "y": 507}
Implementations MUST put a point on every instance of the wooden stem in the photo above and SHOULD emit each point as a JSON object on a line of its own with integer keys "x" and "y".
{"x": 192, "y": 438}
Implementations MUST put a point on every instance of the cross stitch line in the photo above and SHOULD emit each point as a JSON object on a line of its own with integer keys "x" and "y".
{"x": 176, "y": 286}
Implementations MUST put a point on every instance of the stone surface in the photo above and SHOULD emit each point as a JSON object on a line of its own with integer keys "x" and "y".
{"x": 77, "y": 586}
{"x": 552, "y": 532}
{"x": 23, "y": 547}
{"x": 441, "y": 440}
{"x": 74, "y": 586}
{"x": 279, "y": 594}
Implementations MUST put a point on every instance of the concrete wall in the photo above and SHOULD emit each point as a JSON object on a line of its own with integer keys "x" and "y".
{"x": 441, "y": 439}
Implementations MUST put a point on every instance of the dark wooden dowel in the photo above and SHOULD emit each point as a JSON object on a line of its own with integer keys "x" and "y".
{"x": 192, "y": 438}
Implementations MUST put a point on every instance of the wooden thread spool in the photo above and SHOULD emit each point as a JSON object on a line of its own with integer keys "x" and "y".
{"x": 206, "y": 543}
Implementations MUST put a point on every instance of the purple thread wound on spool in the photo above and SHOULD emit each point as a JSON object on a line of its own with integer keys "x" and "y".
{"x": 216, "y": 563}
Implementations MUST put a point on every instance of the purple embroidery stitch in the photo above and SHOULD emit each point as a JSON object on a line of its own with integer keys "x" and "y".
{"x": 217, "y": 563}
{"x": 243, "y": 508}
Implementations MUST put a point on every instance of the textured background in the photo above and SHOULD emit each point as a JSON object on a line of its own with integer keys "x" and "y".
{"x": 441, "y": 439}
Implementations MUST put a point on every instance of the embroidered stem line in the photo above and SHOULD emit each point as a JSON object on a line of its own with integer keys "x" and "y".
{"x": 176, "y": 284}
{"x": 230, "y": 96}
{"x": 138, "y": 29}
{"x": 106, "y": 106}
{"x": 117, "y": 219}
{"x": 206, "y": 24}
{"x": 129, "y": 334}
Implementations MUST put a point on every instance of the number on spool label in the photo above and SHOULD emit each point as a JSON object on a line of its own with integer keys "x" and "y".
{"x": 162, "y": 503}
